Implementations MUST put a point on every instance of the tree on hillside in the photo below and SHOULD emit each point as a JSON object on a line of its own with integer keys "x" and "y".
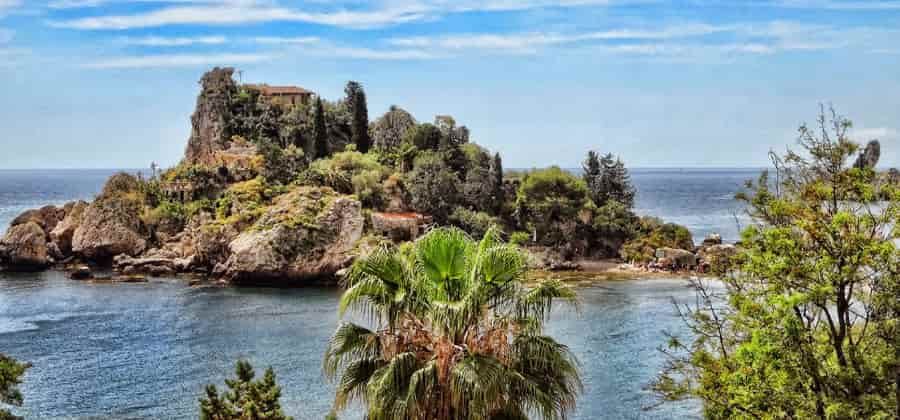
{"x": 433, "y": 187}
{"x": 359, "y": 126}
{"x": 320, "y": 132}
{"x": 498, "y": 190}
{"x": 807, "y": 324}
{"x": 592, "y": 173}
{"x": 11, "y": 373}
{"x": 607, "y": 179}
{"x": 246, "y": 399}
{"x": 478, "y": 186}
{"x": 548, "y": 203}
{"x": 455, "y": 334}
{"x": 389, "y": 130}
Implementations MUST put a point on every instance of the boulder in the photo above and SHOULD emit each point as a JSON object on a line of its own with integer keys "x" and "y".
{"x": 717, "y": 256}
{"x": 712, "y": 239}
{"x": 679, "y": 257}
{"x": 81, "y": 272}
{"x": 24, "y": 247}
{"x": 62, "y": 233}
{"x": 46, "y": 217}
{"x": 308, "y": 234}
{"x": 111, "y": 225}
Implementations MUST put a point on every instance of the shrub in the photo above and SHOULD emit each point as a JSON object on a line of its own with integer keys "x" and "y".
{"x": 475, "y": 223}
{"x": 350, "y": 172}
{"x": 519, "y": 238}
{"x": 653, "y": 234}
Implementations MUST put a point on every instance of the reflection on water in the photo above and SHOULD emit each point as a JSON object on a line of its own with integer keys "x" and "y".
{"x": 146, "y": 350}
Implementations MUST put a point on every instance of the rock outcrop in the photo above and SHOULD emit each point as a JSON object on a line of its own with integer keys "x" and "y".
{"x": 209, "y": 123}
{"x": 111, "y": 225}
{"x": 868, "y": 158}
{"x": 306, "y": 235}
{"x": 62, "y": 233}
{"x": 25, "y": 248}
{"x": 46, "y": 217}
{"x": 678, "y": 258}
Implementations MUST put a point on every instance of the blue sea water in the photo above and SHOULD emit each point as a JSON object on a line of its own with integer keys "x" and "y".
{"x": 145, "y": 351}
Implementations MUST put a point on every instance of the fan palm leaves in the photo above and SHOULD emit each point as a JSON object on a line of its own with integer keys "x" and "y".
{"x": 455, "y": 334}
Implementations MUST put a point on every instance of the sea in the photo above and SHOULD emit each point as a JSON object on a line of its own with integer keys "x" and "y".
{"x": 146, "y": 351}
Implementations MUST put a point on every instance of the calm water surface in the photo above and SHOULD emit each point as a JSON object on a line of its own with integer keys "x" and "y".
{"x": 145, "y": 351}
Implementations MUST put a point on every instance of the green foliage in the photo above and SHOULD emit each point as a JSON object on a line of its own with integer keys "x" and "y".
{"x": 320, "y": 132}
{"x": 424, "y": 137}
{"x": 808, "y": 324}
{"x": 612, "y": 225}
{"x": 433, "y": 187}
{"x": 548, "y": 203}
{"x": 356, "y": 101}
{"x": 607, "y": 179}
{"x": 479, "y": 187}
{"x": 243, "y": 202}
{"x": 456, "y": 335}
{"x": 351, "y": 172}
{"x": 246, "y": 398}
{"x": 281, "y": 164}
{"x": 650, "y": 234}
{"x": 11, "y": 373}
{"x": 389, "y": 131}
{"x": 519, "y": 238}
{"x": 475, "y": 223}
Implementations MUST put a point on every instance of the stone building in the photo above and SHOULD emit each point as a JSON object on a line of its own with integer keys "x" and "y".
{"x": 283, "y": 95}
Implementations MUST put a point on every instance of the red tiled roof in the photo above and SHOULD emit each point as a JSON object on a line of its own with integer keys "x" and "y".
{"x": 280, "y": 90}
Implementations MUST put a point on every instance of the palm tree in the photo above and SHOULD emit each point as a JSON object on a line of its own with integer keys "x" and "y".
{"x": 457, "y": 334}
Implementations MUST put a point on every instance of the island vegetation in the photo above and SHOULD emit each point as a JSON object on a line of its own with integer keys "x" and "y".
{"x": 432, "y": 240}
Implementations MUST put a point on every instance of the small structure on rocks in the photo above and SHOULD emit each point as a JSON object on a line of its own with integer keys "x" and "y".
{"x": 400, "y": 226}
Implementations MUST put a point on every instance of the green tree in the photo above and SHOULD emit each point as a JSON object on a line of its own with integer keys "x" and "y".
{"x": 11, "y": 373}
{"x": 456, "y": 334}
{"x": 389, "y": 131}
{"x": 320, "y": 132}
{"x": 359, "y": 126}
{"x": 499, "y": 193}
{"x": 548, "y": 203}
{"x": 425, "y": 137}
{"x": 433, "y": 187}
{"x": 478, "y": 186}
{"x": 607, "y": 179}
{"x": 246, "y": 398}
{"x": 592, "y": 173}
{"x": 807, "y": 323}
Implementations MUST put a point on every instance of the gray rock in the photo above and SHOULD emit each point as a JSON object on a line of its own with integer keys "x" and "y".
{"x": 111, "y": 225}
{"x": 210, "y": 118}
{"x": 306, "y": 235}
{"x": 680, "y": 258}
{"x": 25, "y": 248}
{"x": 61, "y": 234}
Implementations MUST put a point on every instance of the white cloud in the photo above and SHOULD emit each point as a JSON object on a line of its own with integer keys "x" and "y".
{"x": 177, "y": 60}
{"x": 275, "y": 40}
{"x": 874, "y": 133}
{"x": 79, "y": 4}
{"x": 375, "y": 54}
{"x": 872, "y": 5}
{"x": 239, "y": 13}
{"x": 528, "y": 42}
{"x": 156, "y": 41}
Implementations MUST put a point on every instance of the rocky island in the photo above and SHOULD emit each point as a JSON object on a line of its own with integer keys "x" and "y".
{"x": 279, "y": 186}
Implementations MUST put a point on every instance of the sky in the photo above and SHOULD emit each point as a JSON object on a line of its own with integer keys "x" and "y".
{"x": 690, "y": 83}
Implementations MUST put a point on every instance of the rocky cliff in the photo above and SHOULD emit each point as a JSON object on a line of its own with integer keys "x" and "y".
{"x": 209, "y": 123}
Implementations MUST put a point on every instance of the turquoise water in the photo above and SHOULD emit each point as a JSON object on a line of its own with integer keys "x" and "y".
{"x": 145, "y": 351}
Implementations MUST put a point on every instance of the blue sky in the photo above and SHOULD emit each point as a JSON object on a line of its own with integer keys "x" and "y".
{"x": 691, "y": 83}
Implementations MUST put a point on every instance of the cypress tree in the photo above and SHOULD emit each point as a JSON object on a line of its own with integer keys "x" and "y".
{"x": 320, "y": 132}
{"x": 356, "y": 100}
{"x": 246, "y": 398}
{"x": 497, "y": 170}
{"x": 592, "y": 175}
{"x": 11, "y": 373}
